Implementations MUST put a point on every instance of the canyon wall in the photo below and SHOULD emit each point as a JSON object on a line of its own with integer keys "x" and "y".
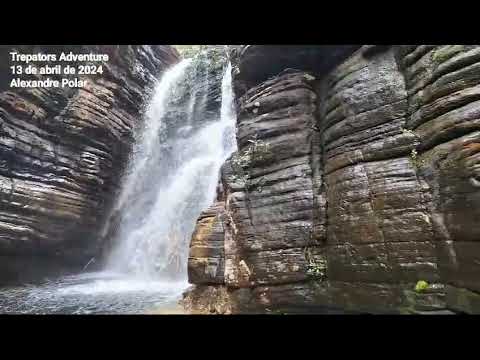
{"x": 61, "y": 155}
{"x": 357, "y": 176}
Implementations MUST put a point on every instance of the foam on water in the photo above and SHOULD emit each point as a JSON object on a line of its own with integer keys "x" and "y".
{"x": 171, "y": 177}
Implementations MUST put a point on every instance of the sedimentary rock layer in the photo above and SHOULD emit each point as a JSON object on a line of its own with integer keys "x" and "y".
{"x": 442, "y": 84}
{"x": 62, "y": 151}
{"x": 366, "y": 183}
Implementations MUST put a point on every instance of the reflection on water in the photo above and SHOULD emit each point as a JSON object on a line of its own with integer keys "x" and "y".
{"x": 91, "y": 293}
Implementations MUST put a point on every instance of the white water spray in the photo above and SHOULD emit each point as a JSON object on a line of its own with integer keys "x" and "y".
{"x": 172, "y": 177}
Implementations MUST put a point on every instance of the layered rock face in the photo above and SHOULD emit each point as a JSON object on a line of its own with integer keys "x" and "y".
{"x": 354, "y": 180}
{"x": 442, "y": 84}
{"x": 61, "y": 155}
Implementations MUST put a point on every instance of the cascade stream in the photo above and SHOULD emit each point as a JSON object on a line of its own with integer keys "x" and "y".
{"x": 187, "y": 133}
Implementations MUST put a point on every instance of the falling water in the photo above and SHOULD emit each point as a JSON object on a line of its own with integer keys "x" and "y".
{"x": 171, "y": 177}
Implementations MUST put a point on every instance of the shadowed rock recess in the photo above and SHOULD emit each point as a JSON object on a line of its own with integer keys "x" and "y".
{"x": 61, "y": 155}
{"x": 357, "y": 176}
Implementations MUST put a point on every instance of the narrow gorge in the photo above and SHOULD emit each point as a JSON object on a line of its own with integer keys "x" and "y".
{"x": 265, "y": 179}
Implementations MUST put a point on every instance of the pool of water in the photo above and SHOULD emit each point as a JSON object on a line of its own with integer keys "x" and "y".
{"x": 91, "y": 293}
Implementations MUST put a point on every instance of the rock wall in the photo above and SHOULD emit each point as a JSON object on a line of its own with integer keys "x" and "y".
{"x": 442, "y": 83}
{"x": 61, "y": 155}
{"x": 354, "y": 180}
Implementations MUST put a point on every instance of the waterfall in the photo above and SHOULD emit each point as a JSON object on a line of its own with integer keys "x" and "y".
{"x": 172, "y": 175}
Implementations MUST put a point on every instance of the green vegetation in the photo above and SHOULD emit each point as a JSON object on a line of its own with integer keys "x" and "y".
{"x": 309, "y": 77}
{"x": 445, "y": 53}
{"x": 215, "y": 53}
{"x": 415, "y": 160}
{"x": 413, "y": 154}
{"x": 239, "y": 178}
{"x": 421, "y": 286}
{"x": 188, "y": 51}
{"x": 316, "y": 268}
{"x": 242, "y": 161}
{"x": 256, "y": 151}
{"x": 408, "y": 132}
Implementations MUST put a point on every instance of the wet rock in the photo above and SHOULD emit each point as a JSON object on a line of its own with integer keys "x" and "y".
{"x": 258, "y": 63}
{"x": 207, "y": 255}
{"x": 372, "y": 169}
{"x": 442, "y": 82}
{"x": 62, "y": 152}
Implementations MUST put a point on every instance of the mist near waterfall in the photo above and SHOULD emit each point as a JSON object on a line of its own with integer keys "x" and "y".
{"x": 187, "y": 133}
{"x": 172, "y": 176}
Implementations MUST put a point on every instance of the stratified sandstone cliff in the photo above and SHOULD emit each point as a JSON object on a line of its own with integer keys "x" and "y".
{"x": 356, "y": 177}
{"x": 61, "y": 155}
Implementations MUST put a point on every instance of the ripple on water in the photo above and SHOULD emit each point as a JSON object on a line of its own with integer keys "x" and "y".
{"x": 91, "y": 293}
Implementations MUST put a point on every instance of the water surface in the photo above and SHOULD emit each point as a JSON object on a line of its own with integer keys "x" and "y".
{"x": 92, "y": 293}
